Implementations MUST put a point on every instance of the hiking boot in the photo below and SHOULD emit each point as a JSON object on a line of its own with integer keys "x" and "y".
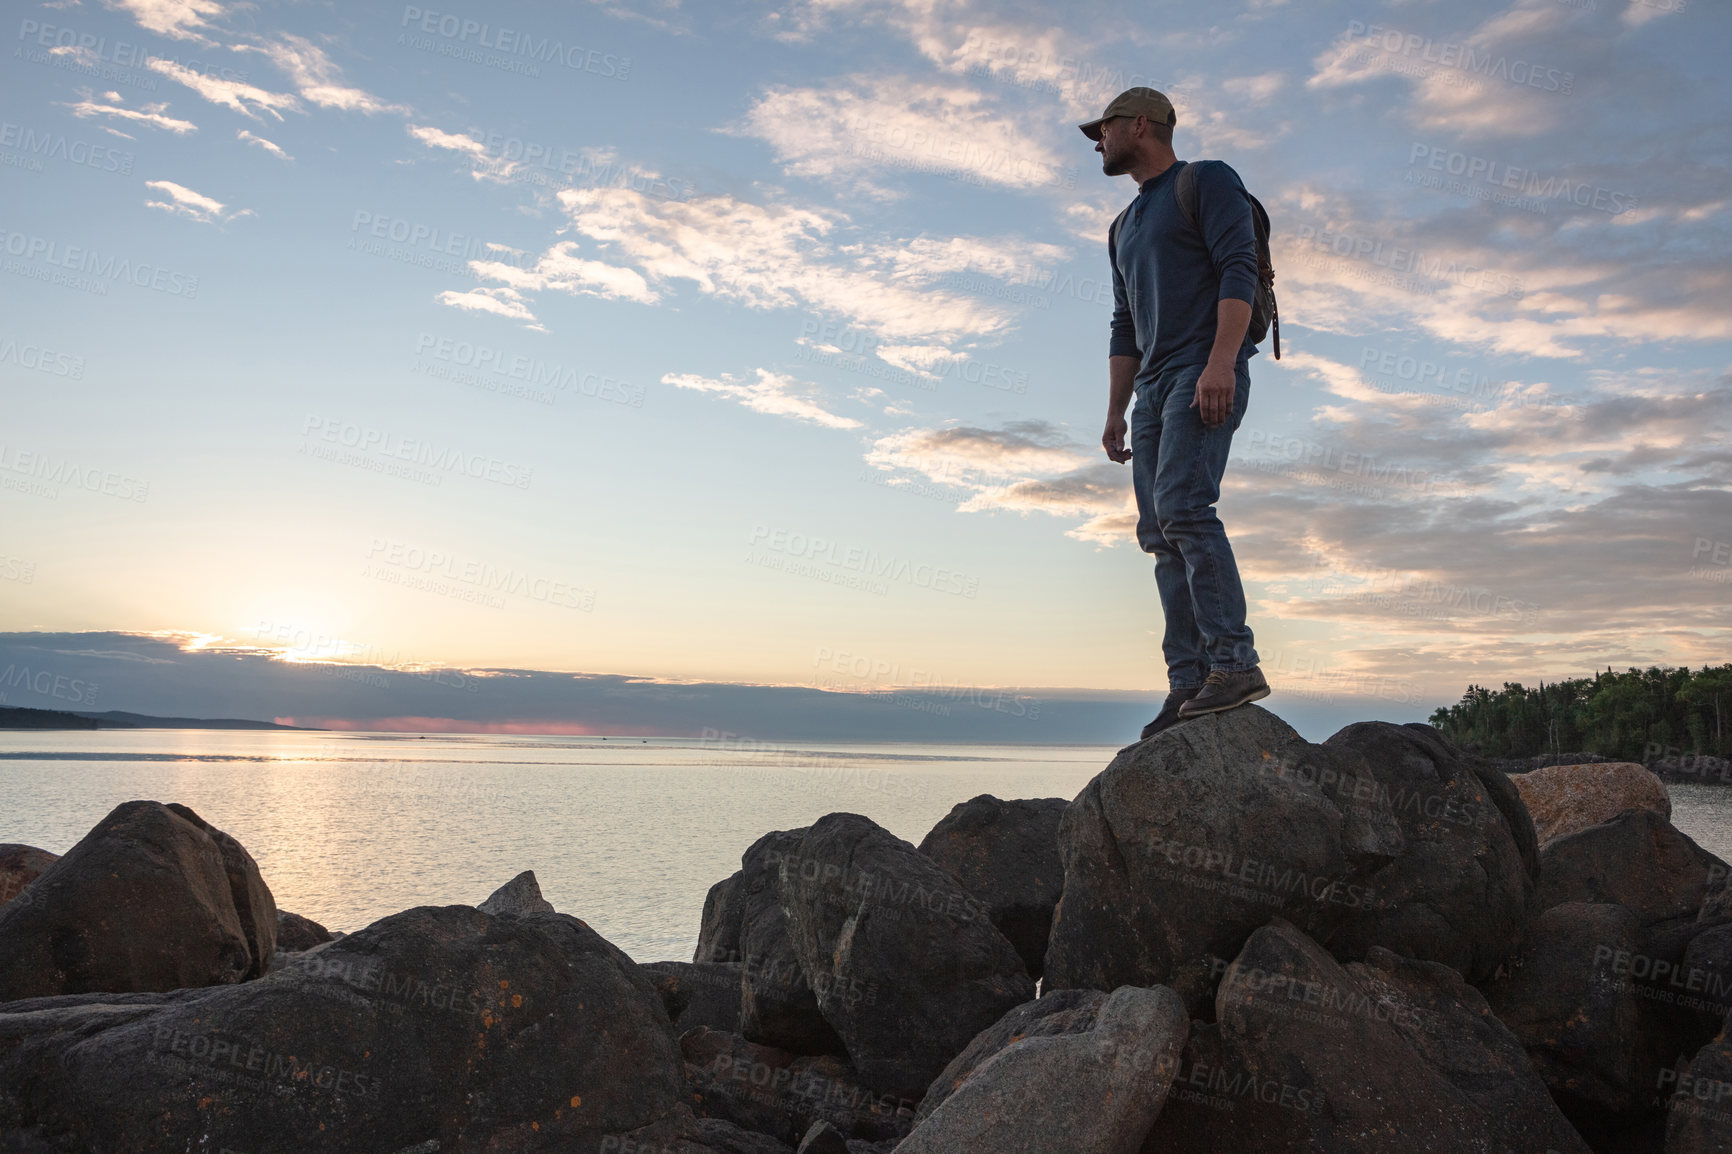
{"x": 1222, "y": 691}
{"x": 1169, "y": 714}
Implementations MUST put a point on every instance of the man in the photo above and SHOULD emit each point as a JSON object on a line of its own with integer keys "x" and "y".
{"x": 1182, "y": 299}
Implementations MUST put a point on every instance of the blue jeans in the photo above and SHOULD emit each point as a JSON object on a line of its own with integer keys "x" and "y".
{"x": 1176, "y": 467}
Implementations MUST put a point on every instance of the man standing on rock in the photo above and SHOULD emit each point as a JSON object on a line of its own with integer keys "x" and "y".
{"x": 1182, "y": 296}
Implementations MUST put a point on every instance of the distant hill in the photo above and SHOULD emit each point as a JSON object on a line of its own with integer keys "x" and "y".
{"x": 19, "y": 718}
{"x": 12, "y": 718}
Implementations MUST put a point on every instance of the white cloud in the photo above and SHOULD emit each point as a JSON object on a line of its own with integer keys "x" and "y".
{"x": 876, "y": 130}
{"x": 438, "y": 138}
{"x": 176, "y": 19}
{"x": 777, "y": 394}
{"x": 1020, "y": 467}
{"x": 183, "y": 201}
{"x": 501, "y": 302}
{"x": 977, "y": 457}
{"x": 318, "y": 80}
{"x": 270, "y": 147}
{"x": 110, "y": 105}
{"x": 247, "y": 99}
{"x": 1259, "y": 89}
{"x": 1638, "y": 12}
{"x": 1511, "y": 282}
{"x": 562, "y": 270}
{"x": 775, "y": 256}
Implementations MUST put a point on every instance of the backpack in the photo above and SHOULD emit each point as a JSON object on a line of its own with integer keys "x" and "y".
{"x": 1265, "y": 316}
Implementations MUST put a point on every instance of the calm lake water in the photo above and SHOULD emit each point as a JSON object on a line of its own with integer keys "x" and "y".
{"x": 627, "y": 834}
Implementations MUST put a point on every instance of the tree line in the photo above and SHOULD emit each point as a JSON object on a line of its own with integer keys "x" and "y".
{"x": 1636, "y": 715}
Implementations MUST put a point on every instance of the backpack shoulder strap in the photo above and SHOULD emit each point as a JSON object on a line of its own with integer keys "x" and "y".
{"x": 1113, "y": 230}
{"x": 1185, "y": 191}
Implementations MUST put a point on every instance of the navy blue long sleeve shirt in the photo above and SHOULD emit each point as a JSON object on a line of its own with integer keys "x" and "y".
{"x": 1168, "y": 278}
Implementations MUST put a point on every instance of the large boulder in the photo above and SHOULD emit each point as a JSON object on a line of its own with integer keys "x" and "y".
{"x": 1698, "y": 1098}
{"x": 1190, "y": 841}
{"x": 296, "y": 933}
{"x": 823, "y": 1138}
{"x": 1571, "y": 1001}
{"x": 1703, "y": 981}
{"x": 19, "y": 866}
{"x": 152, "y": 898}
{"x": 1059, "y": 1012}
{"x": 1563, "y": 799}
{"x": 778, "y": 1005}
{"x": 906, "y": 966}
{"x": 1093, "y": 1092}
{"x": 1461, "y": 891}
{"x": 438, "y": 1027}
{"x": 694, "y": 994}
{"x": 719, "y": 929}
{"x": 1006, "y": 854}
{"x": 744, "y": 923}
{"x": 1636, "y": 859}
{"x": 1386, "y": 1056}
{"x": 783, "y": 1094}
{"x": 521, "y": 895}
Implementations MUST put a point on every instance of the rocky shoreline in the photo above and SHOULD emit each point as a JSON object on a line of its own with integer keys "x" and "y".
{"x": 1241, "y": 942}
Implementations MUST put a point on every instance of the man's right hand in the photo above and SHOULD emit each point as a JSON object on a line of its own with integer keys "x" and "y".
{"x": 1113, "y": 440}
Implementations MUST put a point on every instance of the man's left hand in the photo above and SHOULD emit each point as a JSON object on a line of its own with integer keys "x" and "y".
{"x": 1214, "y": 393}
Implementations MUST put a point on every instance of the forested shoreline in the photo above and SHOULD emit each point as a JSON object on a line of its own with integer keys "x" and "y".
{"x": 1637, "y": 715}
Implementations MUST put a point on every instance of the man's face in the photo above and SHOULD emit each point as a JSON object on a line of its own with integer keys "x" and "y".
{"x": 1115, "y": 145}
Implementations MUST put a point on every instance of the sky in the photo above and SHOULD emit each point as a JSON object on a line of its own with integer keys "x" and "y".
{"x": 764, "y": 344}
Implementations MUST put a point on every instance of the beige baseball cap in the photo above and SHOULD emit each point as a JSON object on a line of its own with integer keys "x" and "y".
{"x": 1134, "y": 102}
